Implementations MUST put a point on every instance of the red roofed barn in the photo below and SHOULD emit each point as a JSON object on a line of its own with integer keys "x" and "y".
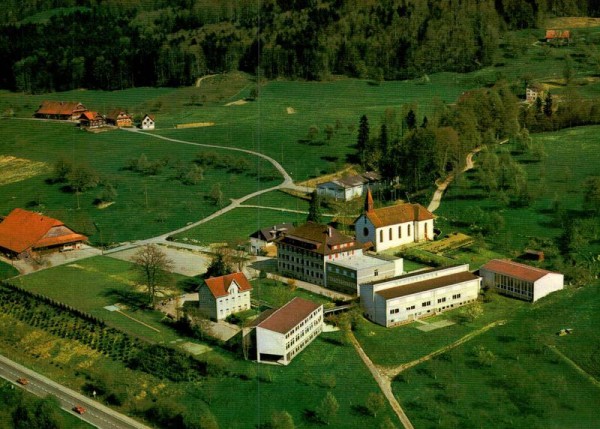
{"x": 393, "y": 226}
{"x": 283, "y": 333}
{"x": 23, "y": 232}
{"x": 91, "y": 119}
{"x": 221, "y": 296}
{"x": 520, "y": 280}
{"x": 65, "y": 110}
{"x": 119, "y": 118}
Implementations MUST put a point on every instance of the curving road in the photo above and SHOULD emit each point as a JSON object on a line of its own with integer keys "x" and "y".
{"x": 96, "y": 414}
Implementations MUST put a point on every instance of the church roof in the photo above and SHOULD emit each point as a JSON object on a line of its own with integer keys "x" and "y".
{"x": 397, "y": 214}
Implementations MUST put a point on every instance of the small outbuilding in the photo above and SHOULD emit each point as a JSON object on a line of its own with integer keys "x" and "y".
{"x": 147, "y": 122}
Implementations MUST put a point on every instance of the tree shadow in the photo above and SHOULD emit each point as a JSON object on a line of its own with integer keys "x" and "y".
{"x": 311, "y": 416}
{"x": 130, "y": 298}
{"x": 360, "y": 410}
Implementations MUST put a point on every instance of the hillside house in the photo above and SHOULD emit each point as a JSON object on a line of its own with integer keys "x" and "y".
{"x": 119, "y": 118}
{"x": 24, "y": 233}
{"x": 520, "y": 280}
{"x": 221, "y": 296}
{"x": 393, "y": 226}
{"x": 349, "y": 187}
{"x": 61, "y": 110}
{"x": 558, "y": 36}
{"x": 91, "y": 120}
{"x": 283, "y": 333}
{"x": 263, "y": 240}
{"x": 534, "y": 91}
{"x": 147, "y": 122}
{"x": 418, "y": 294}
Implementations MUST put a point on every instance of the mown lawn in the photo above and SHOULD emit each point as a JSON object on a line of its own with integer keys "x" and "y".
{"x": 277, "y": 293}
{"x": 526, "y": 384}
{"x": 92, "y": 284}
{"x": 7, "y": 271}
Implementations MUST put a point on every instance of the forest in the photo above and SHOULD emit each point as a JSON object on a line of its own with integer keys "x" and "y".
{"x": 117, "y": 44}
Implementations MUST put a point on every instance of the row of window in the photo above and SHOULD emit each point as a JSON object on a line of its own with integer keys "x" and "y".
{"x": 424, "y": 304}
{"x": 391, "y": 233}
{"x": 304, "y": 343}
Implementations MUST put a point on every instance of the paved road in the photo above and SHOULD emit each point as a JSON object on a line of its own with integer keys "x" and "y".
{"x": 96, "y": 413}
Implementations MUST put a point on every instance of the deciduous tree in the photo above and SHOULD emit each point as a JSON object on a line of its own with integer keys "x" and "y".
{"x": 328, "y": 408}
{"x": 153, "y": 266}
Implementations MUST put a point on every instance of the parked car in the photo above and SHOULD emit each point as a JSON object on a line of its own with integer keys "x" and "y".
{"x": 79, "y": 409}
{"x": 23, "y": 381}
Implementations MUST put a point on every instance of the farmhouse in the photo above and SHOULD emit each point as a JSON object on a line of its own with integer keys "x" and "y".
{"x": 393, "y": 226}
{"x": 221, "y": 296}
{"x": 119, "y": 118}
{"x": 263, "y": 239}
{"x": 423, "y": 293}
{"x": 534, "y": 91}
{"x": 147, "y": 122}
{"x": 91, "y": 120}
{"x": 520, "y": 280}
{"x": 24, "y": 233}
{"x": 63, "y": 110}
{"x": 283, "y": 333}
{"x": 558, "y": 36}
{"x": 349, "y": 187}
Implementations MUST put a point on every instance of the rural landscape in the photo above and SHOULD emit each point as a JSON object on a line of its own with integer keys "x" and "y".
{"x": 279, "y": 214}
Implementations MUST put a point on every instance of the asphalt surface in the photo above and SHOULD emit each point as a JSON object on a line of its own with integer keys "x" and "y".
{"x": 95, "y": 414}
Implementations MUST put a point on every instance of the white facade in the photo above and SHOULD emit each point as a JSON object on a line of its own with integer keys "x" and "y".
{"x": 395, "y": 235}
{"x": 220, "y": 306}
{"x": 520, "y": 280}
{"x": 347, "y": 274}
{"x": 398, "y": 300}
{"x": 147, "y": 123}
{"x": 339, "y": 192}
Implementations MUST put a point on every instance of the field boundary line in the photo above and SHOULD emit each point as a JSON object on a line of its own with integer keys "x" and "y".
{"x": 138, "y": 321}
{"x": 574, "y": 365}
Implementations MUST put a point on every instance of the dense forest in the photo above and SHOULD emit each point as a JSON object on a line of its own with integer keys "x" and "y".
{"x": 50, "y": 45}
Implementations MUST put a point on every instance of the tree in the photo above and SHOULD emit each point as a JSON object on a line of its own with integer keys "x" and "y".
{"x": 328, "y": 408}
{"x": 108, "y": 194}
{"x": 548, "y": 105}
{"x": 473, "y": 311}
{"x": 216, "y": 194}
{"x": 219, "y": 265}
{"x": 313, "y": 132}
{"x": 362, "y": 141}
{"x": 81, "y": 178}
{"x": 193, "y": 176}
{"x": 314, "y": 209}
{"x": 411, "y": 120}
{"x": 282, "y": 420}
{"x": 153, "y": 266}
{"x": 375, "y": 403}
{"x": 62, "y": 169}
{"x": 591, "y": 196}
{"x": 329, "y": 131}
{"x": 387, "y": 424}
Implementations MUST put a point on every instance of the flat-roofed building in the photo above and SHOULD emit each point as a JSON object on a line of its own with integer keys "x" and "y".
{"x": 520, "y": 280}
{"x": 404, "y": 298}
{"x": 345, "y": 275}
{"x": 283, "y": 333}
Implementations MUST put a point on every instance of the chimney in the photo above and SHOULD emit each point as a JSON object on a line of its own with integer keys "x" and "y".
{"x": 329, "y": 231}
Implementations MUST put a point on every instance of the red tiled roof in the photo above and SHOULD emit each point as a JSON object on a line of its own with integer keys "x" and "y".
{"x": 23, "y": 229}
{"x": 90, "y": 116}
{"x": 313, "y": 236}
{"x": 288, "y": 316}
{"x": 515, "y": 270}
{"x": 558, "y": 34}
{"x": 60, "y": 108}
{"x": 397, "y": 214}
{"x": 218, "y": 286}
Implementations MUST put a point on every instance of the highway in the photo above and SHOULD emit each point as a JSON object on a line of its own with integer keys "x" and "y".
{"x": 96, "y": 414}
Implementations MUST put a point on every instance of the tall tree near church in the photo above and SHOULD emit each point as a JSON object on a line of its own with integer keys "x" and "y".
{"x": 362, "y": 142}
{"x": 314, "y": 209}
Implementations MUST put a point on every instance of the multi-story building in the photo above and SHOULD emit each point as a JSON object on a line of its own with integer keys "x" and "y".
{"x": 346, "y": 274}
{"x": 283, "y": 333}
{"x": 520, "y": 280}
{"x": 404, "y": 298}
{"x": 221, "y": 296}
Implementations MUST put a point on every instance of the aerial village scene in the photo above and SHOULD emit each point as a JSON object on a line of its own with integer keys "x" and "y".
{"x": 299, "y": 214}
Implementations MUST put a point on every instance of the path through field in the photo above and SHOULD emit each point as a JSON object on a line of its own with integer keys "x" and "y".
{"x": 200, "y": 79}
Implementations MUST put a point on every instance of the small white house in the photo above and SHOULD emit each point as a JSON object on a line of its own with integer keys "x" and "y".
{"x": 419, "y": 294}
{"x": 285, "y": 332}
{"x": 221, "y": 296}
{"x": 393, "y": 226}
{"x": 147, "y": 122}
{"x": 520, "y": 280}
{"x": 348, "y": 187}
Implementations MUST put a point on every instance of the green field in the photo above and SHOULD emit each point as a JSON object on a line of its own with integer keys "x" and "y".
{"x": 92, "y": 284}
{"x": 527, "y": 384}
{"x": 7, "y": 271}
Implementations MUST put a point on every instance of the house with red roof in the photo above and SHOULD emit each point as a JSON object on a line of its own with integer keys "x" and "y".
{"x": 558, "y": 36}
{"x": 520, "y": 280}
{"x": 119, "y": 118}
{"x": 393, "y": 226}
{"x": 91, "y": 120}
{"x": 62, "y": 110}
{"x": 221, "y": 296}
{"x": 23, "y": 233}
{"x": 283, "y": 333}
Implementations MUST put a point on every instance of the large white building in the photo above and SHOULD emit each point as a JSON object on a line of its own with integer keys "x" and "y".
{"x": 393, "y": 226}
{"x": 285, "y": 332}
{"x": 221, "y": 296}
{"x": 520, "y": 280}
{"x": 418, "y": 294}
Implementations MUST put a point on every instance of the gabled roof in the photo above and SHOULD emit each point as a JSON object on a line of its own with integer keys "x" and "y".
{"x": 558, "y": 34}
{"x": 115, "y": 114}
{"x": 353, "y": 180}
{"x": 397, "y": 214}
{"x": 148, "y": 116}
{"x": 271, "y": 233}
{"x": 90, "y": 116}
{"x": 218, "y": 286}
{"x": 60, "y": 108}
{"x": 288, "y": 316}
{"x": 22, "y": 229}
{"x": 516, "y": 270}
{"x": 319, "y": 238}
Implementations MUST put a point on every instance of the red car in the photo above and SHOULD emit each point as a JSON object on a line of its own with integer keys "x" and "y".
{"x": 79, "y": 409}
{"x": 23, "y": 381}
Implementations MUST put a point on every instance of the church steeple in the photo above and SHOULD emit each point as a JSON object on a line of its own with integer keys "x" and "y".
{"x": 369, "y": 202}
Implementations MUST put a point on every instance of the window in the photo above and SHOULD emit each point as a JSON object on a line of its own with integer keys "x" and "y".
{"x": 408, "y": 230}
{"x": 365, "y": 231}
{"x": 390, "y": 234}
{"x": 441, "y": 300}
{"x": 400, "y": 232}
{"x": 381, "y": 236}
{"x": 426, "y": 303}
{"x": 376, "y": 272}
{"x": 395, "y": 311}
{"x": 412, "y": 307}
{"x": 456, "y": 296}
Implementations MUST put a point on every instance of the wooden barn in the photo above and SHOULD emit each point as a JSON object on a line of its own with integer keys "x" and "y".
{"x": 62, "y": 110}
{"x": 119, "y": 118}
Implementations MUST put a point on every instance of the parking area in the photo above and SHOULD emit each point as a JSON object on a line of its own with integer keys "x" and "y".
{"x": 26, "y": 266}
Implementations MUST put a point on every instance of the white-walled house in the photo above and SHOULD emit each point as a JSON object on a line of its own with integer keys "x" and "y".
{"x": 285, "y": 332}
{"x": 423, "y": 293}
{"x": 393, "y": 226}
{"x": 221, "y": 296}
{"x": 349, "y": 187}
{"x": 520, "y": 280}
{"x": 147, "y": 122}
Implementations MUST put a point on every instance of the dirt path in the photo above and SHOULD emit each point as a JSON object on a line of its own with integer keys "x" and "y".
{"x": 575, "y": 366}
{"x": 200, "y": 79}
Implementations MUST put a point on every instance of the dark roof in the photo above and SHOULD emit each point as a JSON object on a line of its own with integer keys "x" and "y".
{"x": 425, "y": 285}
{"x": 115, "y": 114}
{"x": 399, "y": 213}
{"x": 271, "y": 233}
{"x": 218, "y": 286}
{"x": 515, "y": 270}
{"x": 319, "y": 238}
{"x": 412, "y": 274}
{"x": 288, "y": 316}
{"x": 354, "y": 180}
